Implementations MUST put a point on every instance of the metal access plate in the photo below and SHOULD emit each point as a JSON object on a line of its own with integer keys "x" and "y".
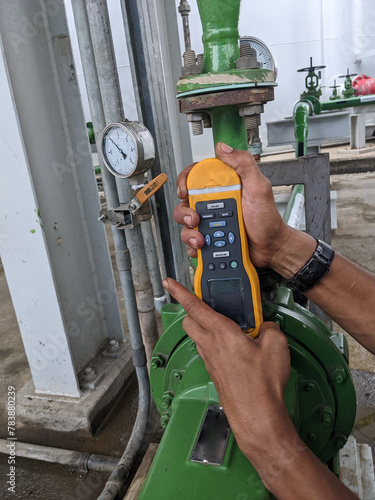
{"x": 213, "y": 438}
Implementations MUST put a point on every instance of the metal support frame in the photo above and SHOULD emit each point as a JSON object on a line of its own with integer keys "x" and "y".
{"x": 313, "y": 172}
{"x": 53, "y": 248}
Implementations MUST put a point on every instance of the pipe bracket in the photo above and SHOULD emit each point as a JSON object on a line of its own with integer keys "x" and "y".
{"x": 139, "y": 357}
{"x": 123, "y": 260}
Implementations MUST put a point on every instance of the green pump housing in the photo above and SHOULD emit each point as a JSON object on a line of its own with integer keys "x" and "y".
{"x": 198, "y": 457}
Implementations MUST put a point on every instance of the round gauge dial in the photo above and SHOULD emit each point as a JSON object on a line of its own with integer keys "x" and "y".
{"x": 264, "y": 55}
{"x": 127, "y": 148}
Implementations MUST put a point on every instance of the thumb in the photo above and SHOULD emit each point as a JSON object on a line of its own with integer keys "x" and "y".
{"x": 241, "y": 161}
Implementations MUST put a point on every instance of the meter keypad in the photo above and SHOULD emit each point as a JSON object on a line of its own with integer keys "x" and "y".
{"x": 225, "y": 283}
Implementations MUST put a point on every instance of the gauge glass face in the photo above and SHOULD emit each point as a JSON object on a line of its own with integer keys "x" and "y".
{"x": 120, "y": 150}
{"x": 263, "y": 54}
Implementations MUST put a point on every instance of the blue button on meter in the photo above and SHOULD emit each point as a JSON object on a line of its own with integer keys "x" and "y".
{"x": 218, "y": 223}
{"x": 219, "y": 234}
{"x": 220, "y": 243}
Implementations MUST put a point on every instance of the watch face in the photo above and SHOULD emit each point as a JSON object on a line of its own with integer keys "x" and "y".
{"x": 120, "y": 150}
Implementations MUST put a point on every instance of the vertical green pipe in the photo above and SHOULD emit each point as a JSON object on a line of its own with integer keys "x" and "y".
{"x": 301, "y": 113}
{"x": 229, "y": 127}
{"x": 221, "y": 50}
{"x": 220, "y": 34}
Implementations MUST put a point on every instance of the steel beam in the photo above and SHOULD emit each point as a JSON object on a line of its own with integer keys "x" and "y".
{"x": 53, "y": 248}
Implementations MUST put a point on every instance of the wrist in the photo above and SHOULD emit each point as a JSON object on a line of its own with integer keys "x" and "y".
{"x": 295, "y": 251}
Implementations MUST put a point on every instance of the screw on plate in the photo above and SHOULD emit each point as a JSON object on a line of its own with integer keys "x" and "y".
{"x": 309, "y": 386}
{"x": 338, "y": 374}
{"x": 88, "y": 375}
{"x": 177, "y": 375}
{"x": 325, "y": 416}
{"x": 157, "y": 362}
{"x": 103, "y": 217}
{"x": 339, "y": 440}
{"x": 194, "y": 348}
{"x": 164, "y": 420}
{"x": 311, "y": 436}
{"x": 167, "y": 401}
{"x": 113, "y": 346}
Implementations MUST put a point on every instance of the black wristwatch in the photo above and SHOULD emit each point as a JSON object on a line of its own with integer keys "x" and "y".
{"x": 315, "y": 269}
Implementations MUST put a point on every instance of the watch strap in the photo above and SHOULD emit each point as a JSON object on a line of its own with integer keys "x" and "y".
{"x": 314, "y": 270}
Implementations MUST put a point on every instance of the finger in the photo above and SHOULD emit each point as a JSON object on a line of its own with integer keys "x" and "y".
{"x": 181, "y": 182}
{"x": 270, "y": 334}
{"x": 185, "y": 215}
{"x": 241, "y": 161}
{"x": 191, "y": 252}
{"x": 206, "y": 317}
{"x": 194, "y": 330}
{"x": 192, "y": 238}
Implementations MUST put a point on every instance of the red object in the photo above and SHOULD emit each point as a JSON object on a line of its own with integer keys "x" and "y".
{"x": 364, "y": 85}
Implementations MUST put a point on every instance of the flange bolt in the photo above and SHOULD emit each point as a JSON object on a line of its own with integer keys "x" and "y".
{"x": 167, "y": 401}
{"x": 164, "y": 421}
{"x": 157, "y": 362}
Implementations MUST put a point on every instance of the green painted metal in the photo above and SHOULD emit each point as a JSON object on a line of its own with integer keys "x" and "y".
{"x": 233, "y": 78}
{"x": 228, "y": 126}
{"x": 292, "y": 214}
{"x": 320, "y": 399}
{"x": 301, "y": 115}
{"x": 348, "y": 103}
{"x": 220, "y": 34}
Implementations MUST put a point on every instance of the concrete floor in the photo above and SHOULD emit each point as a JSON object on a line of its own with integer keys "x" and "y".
{"x": 354, "y": 238}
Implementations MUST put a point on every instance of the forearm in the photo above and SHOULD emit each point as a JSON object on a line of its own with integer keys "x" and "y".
{"x": 346, "y": 293}
{"x": 290, "y": 470}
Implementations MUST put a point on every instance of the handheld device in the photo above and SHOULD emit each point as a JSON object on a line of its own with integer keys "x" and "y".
{"x": 225, "y": 277}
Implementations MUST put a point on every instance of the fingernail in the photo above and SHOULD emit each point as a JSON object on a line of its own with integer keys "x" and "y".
{"x": 193, "y": 242}
{"x": 165, "y": 284}
{"x": 226, "y": 148}
{"x": 188, "y": 221}
{"x": 179, "y": 191}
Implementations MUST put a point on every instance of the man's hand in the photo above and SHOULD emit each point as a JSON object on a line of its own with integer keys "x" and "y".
{"x": 265, "y": 228}
{"x": 250, "y": 375}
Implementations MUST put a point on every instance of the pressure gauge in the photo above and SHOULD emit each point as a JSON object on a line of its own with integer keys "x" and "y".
{"x": 127, "y": 148}
{"x": 264, "y": 55}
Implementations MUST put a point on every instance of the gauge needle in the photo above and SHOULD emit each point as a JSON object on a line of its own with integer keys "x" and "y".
{"x": 121, "y": 151}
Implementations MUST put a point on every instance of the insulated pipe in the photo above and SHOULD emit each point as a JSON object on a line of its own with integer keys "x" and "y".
{"x": 144, "y": 28}
{"x": 113, "y": 111}
{"x": 153, "y": 264}
{"x": 122, "y": 470}
{"x": 100, "y": 463}
{"x": 124, "y": 263}
{"x": 109, "y": 183}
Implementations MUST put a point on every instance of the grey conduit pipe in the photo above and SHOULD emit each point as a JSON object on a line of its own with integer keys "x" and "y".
{"x": 153, "y": 264}
{"x": 113, "y": 111}
{"x": 83, "y": 461}
{"x": 122, "y": 256}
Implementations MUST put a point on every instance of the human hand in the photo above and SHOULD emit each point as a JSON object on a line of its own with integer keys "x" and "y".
{"x": 250, "y": 375}
{"x": 265, "y": 228}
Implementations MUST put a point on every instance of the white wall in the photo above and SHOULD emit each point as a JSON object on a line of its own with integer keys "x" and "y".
{"x": 337, "y": 33}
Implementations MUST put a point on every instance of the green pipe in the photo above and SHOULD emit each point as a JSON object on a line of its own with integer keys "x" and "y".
{"x": 301, "y": 113}
{"x": 229, "y": 127}
{"x": 348, "y": 103}
{"x": 220, "y": 34}
{"x": 293, "y": 212}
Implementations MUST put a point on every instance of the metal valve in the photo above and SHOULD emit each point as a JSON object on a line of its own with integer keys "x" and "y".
{"x": 122, "y": 217}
